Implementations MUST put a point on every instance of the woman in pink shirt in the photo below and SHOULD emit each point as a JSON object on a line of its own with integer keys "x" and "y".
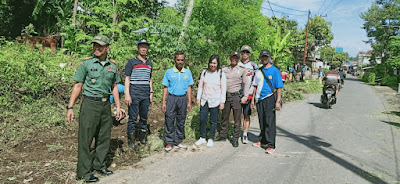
{"x": 211, "y": 97}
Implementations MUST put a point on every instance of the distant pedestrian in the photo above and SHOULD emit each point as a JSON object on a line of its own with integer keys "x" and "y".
{"x": 251, "y": 68}
{"x": 138, "y": 93}
{"x": 237, "y": 93}
{"x": 268, "y": 94}
{"x": 320, "y": 74}
{"x": 211, "y": 96}
{"x": 95, "y": 75}
{"x": 177, "y": 83}
{"x": 284, "y": 76}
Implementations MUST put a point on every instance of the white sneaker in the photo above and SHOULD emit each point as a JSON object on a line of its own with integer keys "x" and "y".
{"x": 210, "y": 143}
{"x": 200, "y": 141}
{"x": 181, "y": 146}
{"x": 245, "y": 139}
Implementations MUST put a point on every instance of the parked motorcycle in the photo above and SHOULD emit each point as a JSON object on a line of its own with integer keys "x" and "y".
{"x": 328, "y": 98}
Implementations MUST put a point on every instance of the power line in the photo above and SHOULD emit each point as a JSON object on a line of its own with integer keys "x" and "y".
{"x": 286, "y": 7}
{"x": 321, "y": 6}
{"x": 271, "y": 8}
{"x": 334, "y": 6}
{"x": 285, "y": 12}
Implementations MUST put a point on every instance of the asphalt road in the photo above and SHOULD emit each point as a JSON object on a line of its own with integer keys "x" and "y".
{"x": 354, "y": 142}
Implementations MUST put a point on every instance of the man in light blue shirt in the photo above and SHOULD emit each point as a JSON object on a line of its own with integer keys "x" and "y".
{"x": 177, "y": 83}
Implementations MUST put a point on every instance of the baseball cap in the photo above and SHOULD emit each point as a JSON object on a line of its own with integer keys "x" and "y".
{"x": 265, "y": 53}
{"x": 143, "y": 41}
{"x": 234, "y": 53}
{"x": 101, "y": 39}
{"x": 245, "y": 48}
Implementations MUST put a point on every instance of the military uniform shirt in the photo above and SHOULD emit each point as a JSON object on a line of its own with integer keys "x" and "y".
{"x": 234, "y": 80}
{"x": 96, "y": 78}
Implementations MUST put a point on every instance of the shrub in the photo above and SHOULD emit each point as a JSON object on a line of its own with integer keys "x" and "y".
{"x": 389, "y": 81}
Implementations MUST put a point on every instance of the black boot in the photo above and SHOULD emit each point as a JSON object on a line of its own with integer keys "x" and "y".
{"x": 131, "y": 140}
{"x": 143, "y": 136}
{"x": 235, "y": 142}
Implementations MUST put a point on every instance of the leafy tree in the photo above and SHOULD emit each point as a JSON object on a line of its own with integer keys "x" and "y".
{"x": 381, "y": 24}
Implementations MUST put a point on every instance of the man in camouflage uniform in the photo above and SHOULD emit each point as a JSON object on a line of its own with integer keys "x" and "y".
{"x": 237, "y": 94}
{"x": 96, "y": 75}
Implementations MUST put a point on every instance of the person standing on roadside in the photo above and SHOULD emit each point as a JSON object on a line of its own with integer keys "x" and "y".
{"x": 177, "y": 83}
{"x": 237, "y": 93}
{"x": 251, "y": 68}
{"x": 95, "y": 75}
{"x": 211, "y": 97}
{"x": 268, "y": 94}
{"x": 138, "y": 93}
{"x": 320, "y": 74}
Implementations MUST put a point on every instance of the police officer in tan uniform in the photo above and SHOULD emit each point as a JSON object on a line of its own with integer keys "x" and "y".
{"x": 237, "y": 93}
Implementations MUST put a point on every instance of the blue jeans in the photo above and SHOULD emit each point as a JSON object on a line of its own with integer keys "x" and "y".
{"x": 139, "y": 106}
{"x": 204, "y": 110}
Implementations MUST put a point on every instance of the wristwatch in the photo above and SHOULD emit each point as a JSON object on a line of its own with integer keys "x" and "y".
{"x": 68, "y": 107}
{"x": 151, "y": 91}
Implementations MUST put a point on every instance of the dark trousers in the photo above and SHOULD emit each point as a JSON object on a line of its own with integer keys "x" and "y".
{"x": 231, "y": 103}
{"x": 175, "y": 116}
{"x": 267, "y": 120}
{"x": 140, "y": 106}
{"x": 94, "y": 122}
{"x": 204, "y": 110}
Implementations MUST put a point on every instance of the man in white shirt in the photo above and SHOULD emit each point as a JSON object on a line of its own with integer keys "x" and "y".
{"x": 251, "y": 68}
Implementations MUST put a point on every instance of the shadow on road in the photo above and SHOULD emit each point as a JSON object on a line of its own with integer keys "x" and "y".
{"x": 314, "y": 143}
{"x": 352, "y": 79}
{"x": 319, "y": 105}
{"x": 392, "y": 123}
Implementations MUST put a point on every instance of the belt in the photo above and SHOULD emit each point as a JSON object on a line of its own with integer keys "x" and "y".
{"x": 177, "y": 95}
{"x": 237, "y": 93}
{"x": 99, "y": 99}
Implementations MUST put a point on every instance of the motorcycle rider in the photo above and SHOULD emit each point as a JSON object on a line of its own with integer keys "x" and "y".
{"x": 332, "y": 77}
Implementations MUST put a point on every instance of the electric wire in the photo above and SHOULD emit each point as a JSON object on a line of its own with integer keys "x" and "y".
{"x": 286, "y": 7}
{"x": 271, "y": 8}
{"x": 321, "y": 5}
{"x": 327, "y": 7}
{"x": 284, "y": 12}
{"x": 334, "y": 7}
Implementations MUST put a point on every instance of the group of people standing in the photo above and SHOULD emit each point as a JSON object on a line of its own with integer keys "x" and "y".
{"x": 238, "y": 87}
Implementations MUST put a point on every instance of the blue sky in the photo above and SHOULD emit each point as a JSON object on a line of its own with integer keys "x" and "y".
{"x": 344, "y": 15}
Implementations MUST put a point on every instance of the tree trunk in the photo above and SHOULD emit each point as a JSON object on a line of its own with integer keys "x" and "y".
{"x": 187, "y": 17}
{"x": 74, "y": 12}
{"x": 115, "y": 16}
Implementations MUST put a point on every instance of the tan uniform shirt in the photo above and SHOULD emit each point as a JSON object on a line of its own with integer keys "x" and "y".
{"x": 236, "y": 79}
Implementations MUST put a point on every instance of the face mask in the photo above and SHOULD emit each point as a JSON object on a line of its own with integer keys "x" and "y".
{"x": 270, "y": 60}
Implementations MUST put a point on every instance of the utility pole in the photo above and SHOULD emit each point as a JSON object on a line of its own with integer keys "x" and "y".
{"x": 305, "y": 45}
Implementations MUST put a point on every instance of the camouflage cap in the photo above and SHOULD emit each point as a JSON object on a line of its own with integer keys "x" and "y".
{"x": 101, "y": 39}
{"x": 234, "y": 53}
{"x": 245, "y": 48}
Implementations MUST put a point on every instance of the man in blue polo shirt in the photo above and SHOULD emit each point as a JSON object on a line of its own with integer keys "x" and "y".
{"x": 138, "y": 93}
{"x": 177, "y": 83}
{"x": 268, "y": 92}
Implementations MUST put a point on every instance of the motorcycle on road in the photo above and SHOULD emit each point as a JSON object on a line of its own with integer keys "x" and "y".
{"x": 328, "y": 98}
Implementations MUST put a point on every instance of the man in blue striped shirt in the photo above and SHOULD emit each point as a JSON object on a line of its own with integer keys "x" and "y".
{"x": 138, "y": 93}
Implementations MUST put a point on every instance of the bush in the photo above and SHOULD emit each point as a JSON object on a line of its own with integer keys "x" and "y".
{"x": 369, "y": 78}
{"x": 389, "y": 81}
{"x": 34, "y": 88}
